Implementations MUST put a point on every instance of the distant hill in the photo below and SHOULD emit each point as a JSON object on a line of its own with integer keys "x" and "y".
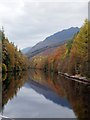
{"x": 70, "y": 58}
{"x": 25, "y": 50}
{"x": 53, "y": 41}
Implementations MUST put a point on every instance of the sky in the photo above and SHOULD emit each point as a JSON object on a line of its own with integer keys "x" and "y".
{"x": 26, "y": 22}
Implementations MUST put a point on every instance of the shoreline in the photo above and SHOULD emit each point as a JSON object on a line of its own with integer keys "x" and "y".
{"x": 75, "y": 78}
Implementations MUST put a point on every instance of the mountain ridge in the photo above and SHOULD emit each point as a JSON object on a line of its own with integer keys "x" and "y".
{"x": 55, "y": 39}
{"x": 25, "y": 50}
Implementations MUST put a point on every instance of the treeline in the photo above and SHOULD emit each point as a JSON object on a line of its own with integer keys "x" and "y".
{"x": 11, "y": 85}
{"x": 71, "y": 57}
{"x": 76, "y": 92}
{"x": 0, "y": 51}
{"x": 12, "y": 59}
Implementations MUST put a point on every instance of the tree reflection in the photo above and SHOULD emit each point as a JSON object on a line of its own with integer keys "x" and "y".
{"x": 11, "y": 84}
{"x": 77, "y": 93}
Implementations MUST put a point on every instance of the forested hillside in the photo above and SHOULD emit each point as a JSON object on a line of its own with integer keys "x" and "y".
{"x": 52, "y": 41}
{"x": 71, "y": 57}
{"x": 0, "y": 51}
{"x": 12, "y": 59}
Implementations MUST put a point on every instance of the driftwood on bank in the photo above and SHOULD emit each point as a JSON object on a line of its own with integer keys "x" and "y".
{"x": 75, "y": 78}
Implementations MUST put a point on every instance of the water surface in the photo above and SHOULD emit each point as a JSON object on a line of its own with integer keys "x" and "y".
{"x": 36, "y": 94}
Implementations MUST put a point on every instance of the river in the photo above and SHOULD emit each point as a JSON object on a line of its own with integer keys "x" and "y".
{"x": 36, "y": 94}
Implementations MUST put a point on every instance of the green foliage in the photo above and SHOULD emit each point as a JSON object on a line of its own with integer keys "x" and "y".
{"x": 71, "y": 58}
{"x": 79, "y": 51}
{"x": 0, "y": 50}
{"x": 12, "y": 58}
{"x": 4, "y": 68}
{"x": 69, "y": 45}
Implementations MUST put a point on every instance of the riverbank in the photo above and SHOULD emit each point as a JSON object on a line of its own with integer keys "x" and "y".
{"x": 72, "y": 77}
{"x": 75, "y": 77}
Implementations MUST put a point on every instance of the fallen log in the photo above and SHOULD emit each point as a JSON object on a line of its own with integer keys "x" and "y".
{"x": 81, "y": 79}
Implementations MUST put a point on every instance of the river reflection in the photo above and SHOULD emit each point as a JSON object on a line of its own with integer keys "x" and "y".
{"x": 37, "y": 94}
{"x": 11, "y": 85}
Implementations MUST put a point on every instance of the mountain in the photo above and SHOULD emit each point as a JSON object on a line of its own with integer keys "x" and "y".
{"x": 53, "y": 41}
{"x": 71, "y": 57}
{"x": 47, "y": 93}
{"x": 25, "y": 50}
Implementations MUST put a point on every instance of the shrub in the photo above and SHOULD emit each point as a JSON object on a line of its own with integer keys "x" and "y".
{"x": 4, "y": 68}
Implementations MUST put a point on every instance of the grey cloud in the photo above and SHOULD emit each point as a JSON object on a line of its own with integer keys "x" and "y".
{"x": 29, "y": 22}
